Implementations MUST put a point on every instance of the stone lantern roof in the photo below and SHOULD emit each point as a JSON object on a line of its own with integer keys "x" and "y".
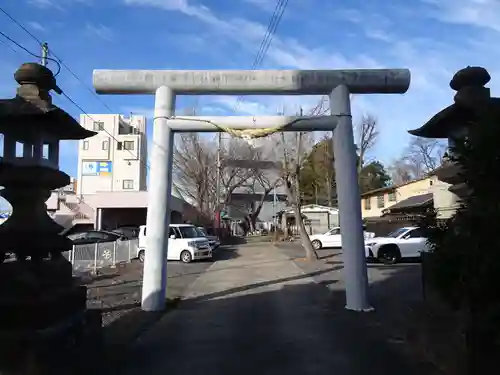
{"x": 31, "y": 111}
{"x": 469, "y": 84}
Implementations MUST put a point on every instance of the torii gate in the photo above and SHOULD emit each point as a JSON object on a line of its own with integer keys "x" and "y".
{"x": 338, "y": 84}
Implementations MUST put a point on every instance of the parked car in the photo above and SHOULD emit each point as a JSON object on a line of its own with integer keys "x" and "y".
{"x": 212, "y": 240}
{"x": 129, "y": 232}
{"x": 185, "y": 244}
{"x": 406, "y": 242}
{"x": 94, "y": 236}
{"x": 332, "y": 238}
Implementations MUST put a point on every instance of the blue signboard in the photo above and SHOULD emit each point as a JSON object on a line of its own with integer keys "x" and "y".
{"x": 97, "y": 168}
{"x": 104, "y": 167}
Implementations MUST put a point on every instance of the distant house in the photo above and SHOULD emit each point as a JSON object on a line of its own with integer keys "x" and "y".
{"x": 376, "y": 203}
{"x": 317, "y": 219}
{"x": 411, "y": 206}
{"x": 245, "y": 198}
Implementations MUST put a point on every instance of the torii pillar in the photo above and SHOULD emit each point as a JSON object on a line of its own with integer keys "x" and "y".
{"x": 338, "y": 84}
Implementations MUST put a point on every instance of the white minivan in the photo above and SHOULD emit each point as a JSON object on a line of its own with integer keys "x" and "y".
{"x": 184, "y": 244}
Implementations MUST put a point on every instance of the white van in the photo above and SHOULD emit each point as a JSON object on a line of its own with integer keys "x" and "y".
{"x": 185, "y": 244}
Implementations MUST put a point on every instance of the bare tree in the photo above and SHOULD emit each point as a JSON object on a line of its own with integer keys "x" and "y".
{"x": 367, "y": 134}
{"x": 262, "y": 184}
{"x": 294, "y": 148}
{"x": 194, "y": 170}
{"x": 420, "y": 157}
{"x": 293, "y": 158}
{"x": 237, "y": 168}
{"x": 400, "y": 172}
{"x": 423, "y": 155}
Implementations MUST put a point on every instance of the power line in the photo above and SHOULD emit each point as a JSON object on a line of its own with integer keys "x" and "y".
{"x": 44, "y": 48}
{"x": 66, "y": 95}
{"x": 60, "y": 62}
{"x": 267, "y": 39}
{"x": 20, "y": 25}
{"x": 31, "y": 53}
{"x": 271, "y": 30}
{"x": 102, "y": 129}
{"x": 271, "y": 25}
{"x": 8, "y": 45}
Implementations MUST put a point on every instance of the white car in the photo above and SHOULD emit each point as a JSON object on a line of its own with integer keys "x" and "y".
{"x": 406, "y": 242}
{"x": 332, "y": 238}
{"x": 185, "y": 244}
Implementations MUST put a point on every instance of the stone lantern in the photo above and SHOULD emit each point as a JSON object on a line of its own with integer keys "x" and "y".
{"x": 40, "y": 303}
{"x": 452, "y": 123}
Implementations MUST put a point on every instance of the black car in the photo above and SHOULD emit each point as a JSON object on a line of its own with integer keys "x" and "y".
{"x": 128, "y": 232}
{"x": 94, "y": 236}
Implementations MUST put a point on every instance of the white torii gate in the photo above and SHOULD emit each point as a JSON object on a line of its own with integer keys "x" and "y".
{"x": 338, "y": 84}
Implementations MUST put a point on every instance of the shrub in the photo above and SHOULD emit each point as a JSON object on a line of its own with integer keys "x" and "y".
{"x": 464, "y": 265}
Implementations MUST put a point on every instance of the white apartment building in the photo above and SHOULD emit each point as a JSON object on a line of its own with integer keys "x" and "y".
{"x": 114, "y": 160}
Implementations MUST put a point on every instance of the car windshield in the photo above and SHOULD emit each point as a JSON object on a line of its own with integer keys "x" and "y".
{"x": 200, "y": 232}
{"x": 333, "y": 231}
{"x": 397, "y": 232}
{"x": 189, "y": 232}
{"x": 75, "y": 236}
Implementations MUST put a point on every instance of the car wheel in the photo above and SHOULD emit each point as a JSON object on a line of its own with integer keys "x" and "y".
{"x": 316, "y": 244}
{"x": 142, "y": 256}
{"x": 389, "y": 254}
{"x": 186, "y": 257}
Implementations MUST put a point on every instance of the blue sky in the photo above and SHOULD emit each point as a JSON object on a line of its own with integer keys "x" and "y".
{"x": 433, "y": 38}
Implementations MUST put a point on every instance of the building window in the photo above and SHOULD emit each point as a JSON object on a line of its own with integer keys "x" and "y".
{"x": 392, "y": 196}
{"x": 431, "y": 182}
{"x": 85, "y": 145}
{"x": 128, "y": 184}
{"x": 380, "y": 201}
{"x": 128, "y": 145}
{"x": 105, "y": 145}
{"x": 368, "y": 203}
{"x": 98, "y": 126}
{"x": 119, "y": 145}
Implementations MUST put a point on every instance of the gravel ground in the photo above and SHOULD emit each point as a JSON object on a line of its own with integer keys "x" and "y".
{"x": 118, "y": 291}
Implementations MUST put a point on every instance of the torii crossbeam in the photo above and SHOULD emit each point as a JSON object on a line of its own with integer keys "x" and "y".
{"x": 338, "y": 84}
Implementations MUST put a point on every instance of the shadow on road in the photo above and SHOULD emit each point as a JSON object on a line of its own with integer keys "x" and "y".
{"x": 361, "y": 343}
{"x": 249, "y": 334}
{"x": 225, "y": 253}
{"x": 256, "y": 285}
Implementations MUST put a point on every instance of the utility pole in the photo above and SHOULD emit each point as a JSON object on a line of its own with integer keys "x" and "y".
{"x": 218, "y": 218}
{"x": 45, "y": 53}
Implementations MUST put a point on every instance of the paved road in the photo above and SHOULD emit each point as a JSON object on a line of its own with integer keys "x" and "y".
{"x": 259, "y": 313}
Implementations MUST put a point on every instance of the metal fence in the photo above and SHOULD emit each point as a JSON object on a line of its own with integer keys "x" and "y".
{"x": 92, "y": 257}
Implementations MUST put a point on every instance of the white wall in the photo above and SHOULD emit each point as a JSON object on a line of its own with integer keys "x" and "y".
{"x": 445, "y": 202}
{"x": 125, "y": 164}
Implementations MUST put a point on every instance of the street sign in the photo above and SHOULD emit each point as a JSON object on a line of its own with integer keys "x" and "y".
{"x": 97, "y": 168}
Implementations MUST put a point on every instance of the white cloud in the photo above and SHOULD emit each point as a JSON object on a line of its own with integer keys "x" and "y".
{"x": 266, "y": 5}
{"x": 100, "y": 31}
{"x": 390, "y": 36}
{"x": 479, "y": 13}
{"x": 45, "y": 3}
{"x": 36, "y": 26}
{"x": 58, "y": 4}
